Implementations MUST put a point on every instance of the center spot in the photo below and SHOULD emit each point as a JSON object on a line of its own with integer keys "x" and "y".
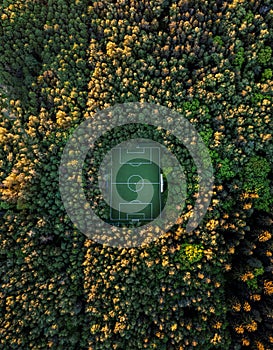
{"x": 135, "y": 183}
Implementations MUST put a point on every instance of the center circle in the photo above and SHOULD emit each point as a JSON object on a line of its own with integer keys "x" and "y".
{"x": 135, "y": 183}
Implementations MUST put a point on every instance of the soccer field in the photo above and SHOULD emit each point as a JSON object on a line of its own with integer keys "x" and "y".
{"x": 135, "y": 184}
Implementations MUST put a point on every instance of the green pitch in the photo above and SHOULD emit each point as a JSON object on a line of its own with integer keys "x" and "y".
{"x": 135, "y": 184}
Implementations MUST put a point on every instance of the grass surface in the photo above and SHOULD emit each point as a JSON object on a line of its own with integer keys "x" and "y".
{"x": 135, "y": 185}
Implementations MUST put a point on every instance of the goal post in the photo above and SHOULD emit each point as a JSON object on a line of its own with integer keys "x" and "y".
{"x": 161, "y": 183}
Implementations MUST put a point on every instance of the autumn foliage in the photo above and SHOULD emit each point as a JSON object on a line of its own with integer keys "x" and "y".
{"x": 62, "y": 61}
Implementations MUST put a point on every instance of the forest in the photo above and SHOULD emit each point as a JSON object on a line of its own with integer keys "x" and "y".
{"x": 61, "y": 63}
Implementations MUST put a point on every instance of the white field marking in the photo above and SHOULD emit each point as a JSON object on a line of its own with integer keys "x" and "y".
{"x": 131, "y": 216}
{"x": 136, "y": 164}
{"x": 134, "y": 183}
{"x": 125, "y": 183}
{"x": 129, "y": 184}
{"x": 159, "y": 176}
{"x": 111, "y": 193}
{"x": 135, "y": 152}
{"x": 135, "y": 204}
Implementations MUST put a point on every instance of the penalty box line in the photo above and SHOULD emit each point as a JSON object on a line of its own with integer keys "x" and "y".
{"x": 150, "y": 205}
{"x": 133, "y": 152}
{"x": 135, "y": 183}
{"x": 136, "y": 152}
